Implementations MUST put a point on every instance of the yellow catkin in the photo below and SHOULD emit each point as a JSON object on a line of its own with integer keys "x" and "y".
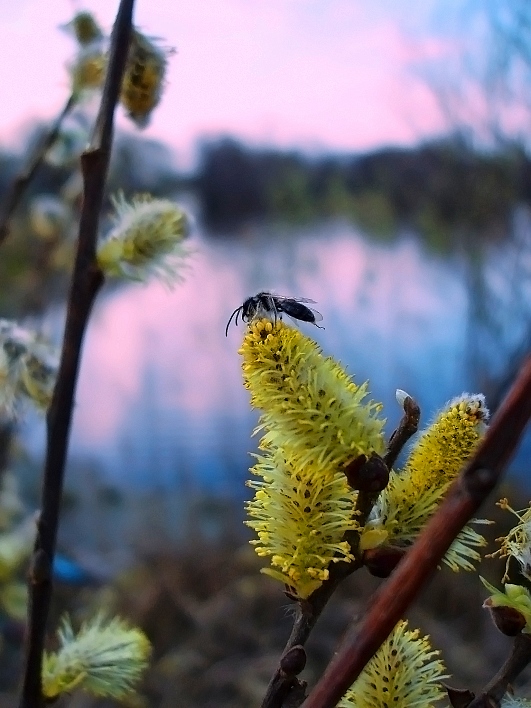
{"x": 143, "y": 80}
{"x": 309, "y": 403}
{"x": 147, "y": 239}
{"x": 315, "y": 421}
{"x": 105, "y": 658}
{"x": 404, "y": 672}
{"x": 300, "y": 515}
{"x": 435, "y": 460}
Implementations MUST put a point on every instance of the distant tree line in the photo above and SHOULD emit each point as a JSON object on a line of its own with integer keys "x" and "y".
{"x": 445, "y": 189}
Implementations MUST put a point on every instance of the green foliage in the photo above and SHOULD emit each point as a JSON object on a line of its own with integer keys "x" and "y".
{"x": 373, "y": 213}
{"x": 447, "y": 191}
{"x": 17, "y": 534}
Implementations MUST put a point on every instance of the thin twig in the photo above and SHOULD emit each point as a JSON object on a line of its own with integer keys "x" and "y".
{"x": 22, "y": 180}
{"x": 86, "y": 282}
{"x": 309, "y": 610}
{"x": 518, "y": 660}
{"x": 407, "y": 427}
{"x": 465, "y": 496}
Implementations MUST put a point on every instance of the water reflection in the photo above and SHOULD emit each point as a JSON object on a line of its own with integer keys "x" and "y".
{"x": 160, "y": 401}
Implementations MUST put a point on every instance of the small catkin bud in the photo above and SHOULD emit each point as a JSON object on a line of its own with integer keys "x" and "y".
{"x": 367, "y": 475}
{"x": 381, "y": 561}
{"x": 37, "y": 379}
{"x": 49, "y": 217}
{"x": 508, "y": 620}
{"x": 401, "y": 396}
{"x": 293, "y": 661}
{"x": 88, "y": 69}
{"x": 514, "y": 598}
{"x": 143, "y": 80}
{"x": 28, "y": 368}
{"x": 85, "y": 28}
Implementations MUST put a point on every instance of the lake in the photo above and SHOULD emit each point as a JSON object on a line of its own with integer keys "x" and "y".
{"x": 160, "y": 406}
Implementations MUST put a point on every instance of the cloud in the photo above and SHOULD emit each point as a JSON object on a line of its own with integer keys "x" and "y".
{"x": 334, "y": 73}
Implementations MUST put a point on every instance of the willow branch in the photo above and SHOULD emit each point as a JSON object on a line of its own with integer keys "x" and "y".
{"x": 86, "y": 282}
{"x": 23, "y": 179}
{"x": 476, "y": 481}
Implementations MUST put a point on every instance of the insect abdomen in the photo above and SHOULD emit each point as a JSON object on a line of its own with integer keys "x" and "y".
{"x": 296, "y": 310}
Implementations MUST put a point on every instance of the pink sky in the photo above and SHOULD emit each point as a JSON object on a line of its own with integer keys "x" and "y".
{"x": 314, "y": 73}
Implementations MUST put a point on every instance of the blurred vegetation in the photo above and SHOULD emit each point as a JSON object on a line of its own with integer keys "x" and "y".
{"x": 218, "y": 625}
{"x": 445, "y": 190}
{"x": 37, "y": 256}
{"x": 450, "y": 194}
{"x": 455, "y": 199}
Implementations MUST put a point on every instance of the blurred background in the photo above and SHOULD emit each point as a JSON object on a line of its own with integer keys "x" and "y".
{"x": 373, "y": 157}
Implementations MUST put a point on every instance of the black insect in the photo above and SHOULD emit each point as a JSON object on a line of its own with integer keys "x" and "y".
{"x": 275, "y": 305}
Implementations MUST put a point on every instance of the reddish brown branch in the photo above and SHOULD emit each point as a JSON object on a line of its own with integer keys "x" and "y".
{"x": 86, "y": 282}
{"x": 465, "y": 496}
{"x": 22, "y": 180}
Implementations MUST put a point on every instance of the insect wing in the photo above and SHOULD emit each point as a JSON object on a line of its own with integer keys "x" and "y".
{"x": 280, "y": 298}
{"x": 298, "y": 311}
{"x": 317, "y": 316}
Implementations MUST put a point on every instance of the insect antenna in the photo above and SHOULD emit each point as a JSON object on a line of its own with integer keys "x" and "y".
{"x": 236, "y": 312}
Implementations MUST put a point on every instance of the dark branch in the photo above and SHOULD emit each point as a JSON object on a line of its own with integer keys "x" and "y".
{"x": 86, "y": 282}
{"x": 22, "y": 180}
{"x": 518, "y": 660}
{"x": 465, "y": 496}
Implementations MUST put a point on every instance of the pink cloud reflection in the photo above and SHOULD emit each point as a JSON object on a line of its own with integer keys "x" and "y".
{"x": 366, "y": 294}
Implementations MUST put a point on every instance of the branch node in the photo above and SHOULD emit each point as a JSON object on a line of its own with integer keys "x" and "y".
{"x": 407, "y": 427}
{"x": 40, "y": 570}
{"x": 381, "y": 561}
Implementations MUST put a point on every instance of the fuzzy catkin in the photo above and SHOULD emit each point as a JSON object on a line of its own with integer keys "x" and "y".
{"x": 405, "y": 672}
{"x": 315, "y": 421}
{"x": 300, "y": 515}
{"x": 414, "y": 493}
{"x": 310, "y": 406}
